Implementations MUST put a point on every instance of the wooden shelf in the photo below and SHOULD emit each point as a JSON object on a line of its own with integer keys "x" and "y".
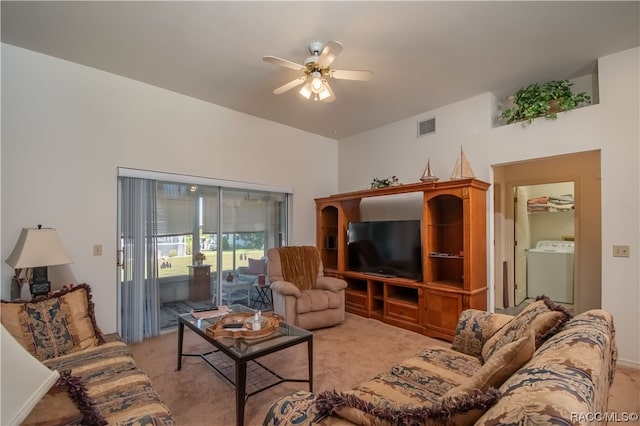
{"x": 453, "y": 223}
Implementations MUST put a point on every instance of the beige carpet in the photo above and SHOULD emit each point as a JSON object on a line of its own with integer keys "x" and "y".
{"x": 344, "y": 356}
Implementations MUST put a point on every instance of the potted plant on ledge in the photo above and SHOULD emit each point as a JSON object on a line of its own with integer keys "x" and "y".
{"x": 543, "y": 100}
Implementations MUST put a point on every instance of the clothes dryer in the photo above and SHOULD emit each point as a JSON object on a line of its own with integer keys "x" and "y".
{"x": 550, "y": 270}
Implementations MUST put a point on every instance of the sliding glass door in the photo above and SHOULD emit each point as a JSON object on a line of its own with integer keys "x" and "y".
{"x": 191, "y": 245}
{"x": 251, "y": 223}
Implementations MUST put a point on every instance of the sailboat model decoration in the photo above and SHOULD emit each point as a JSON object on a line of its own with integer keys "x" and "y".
{"x": 427, "y": 175}
{"x": 462, "y": 169}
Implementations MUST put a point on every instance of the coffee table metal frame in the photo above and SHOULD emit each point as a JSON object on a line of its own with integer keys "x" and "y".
{"x": 242, "y": 351}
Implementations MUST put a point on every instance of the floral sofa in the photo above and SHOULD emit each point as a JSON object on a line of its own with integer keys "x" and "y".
{"x": 539, "y": 367}
{"x": 98, "y": 372}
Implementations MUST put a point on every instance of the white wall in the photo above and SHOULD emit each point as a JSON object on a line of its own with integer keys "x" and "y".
{"x": 611, "y": 126}
{"x": 66, "y": 128}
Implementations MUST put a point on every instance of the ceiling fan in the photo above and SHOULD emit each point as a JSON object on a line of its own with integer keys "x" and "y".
{"x": 316, "y": 71}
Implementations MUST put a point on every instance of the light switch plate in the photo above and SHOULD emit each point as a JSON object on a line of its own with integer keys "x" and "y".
{"x": 97, "y": 249}
{"x": 620, "y": 251}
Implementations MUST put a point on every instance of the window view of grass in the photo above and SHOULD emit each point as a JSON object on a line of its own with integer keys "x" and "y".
{"x": 178, "y": 265}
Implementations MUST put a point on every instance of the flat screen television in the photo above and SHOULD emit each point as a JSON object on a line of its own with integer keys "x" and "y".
{"x": 388, "y": 248}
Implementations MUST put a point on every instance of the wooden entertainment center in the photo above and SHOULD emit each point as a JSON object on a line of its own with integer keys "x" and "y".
{"x": 454, "y": 259}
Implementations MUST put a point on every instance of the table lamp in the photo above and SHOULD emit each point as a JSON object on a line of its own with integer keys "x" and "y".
{"x": 38, "y": 248}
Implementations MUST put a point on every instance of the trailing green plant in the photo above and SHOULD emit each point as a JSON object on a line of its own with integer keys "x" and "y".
{"x": 543, "y": 100}
{"x": 383, "y": 183}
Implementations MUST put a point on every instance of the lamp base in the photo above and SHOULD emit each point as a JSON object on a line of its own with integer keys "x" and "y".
{"x": 25, "y": 292}
{"x": 40, "y": 288}
{"x": 16, "y": 289}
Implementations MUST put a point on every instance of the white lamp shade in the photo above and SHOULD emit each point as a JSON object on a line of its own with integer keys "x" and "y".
{"x": 25, "y": 380}
{"x": 38, "y": 247}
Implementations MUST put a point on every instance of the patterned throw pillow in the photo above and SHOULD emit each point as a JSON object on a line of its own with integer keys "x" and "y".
{"x": 503, "y": 363}
{"x": 55, "y": 325}
{"x": 474, "y": 328}
{"x": 81, "y": 320}
{"x": 543, "y": 316}
{"x": 49, "y": 330}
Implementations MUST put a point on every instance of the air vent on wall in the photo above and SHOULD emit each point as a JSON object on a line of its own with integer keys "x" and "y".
{"x": 426, "y": 127}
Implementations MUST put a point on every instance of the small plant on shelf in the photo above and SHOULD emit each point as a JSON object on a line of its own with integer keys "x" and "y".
{"x": 543, "y": 100}
{"x": 383, "y": 183}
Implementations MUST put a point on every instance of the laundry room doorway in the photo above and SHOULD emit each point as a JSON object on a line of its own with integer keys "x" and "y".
{"x": 544, "y": 230}
{"x": 510, "y": 252}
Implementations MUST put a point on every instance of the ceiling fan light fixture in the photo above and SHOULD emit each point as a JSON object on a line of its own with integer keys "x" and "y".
{"x": 324, "y": 93}
{"x": 306, "y": 90}
{"x": 310, "y": 93}
{"x": 317, "y": 85}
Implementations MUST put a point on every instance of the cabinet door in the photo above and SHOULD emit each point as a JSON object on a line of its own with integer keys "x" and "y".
{"x": 356, "y": 300}
{"x": 442, "y": 310}
{"x": 402, "y": 311}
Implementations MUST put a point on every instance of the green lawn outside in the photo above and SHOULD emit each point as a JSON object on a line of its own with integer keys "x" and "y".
{"x": 179, "y": 263}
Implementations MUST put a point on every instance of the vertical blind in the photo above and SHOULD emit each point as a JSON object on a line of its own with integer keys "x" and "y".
{"x": 139, "y": 280}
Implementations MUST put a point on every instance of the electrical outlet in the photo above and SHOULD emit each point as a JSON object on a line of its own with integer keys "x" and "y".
{"x": 97, "y": 249}
{"x": 620, "y": 251}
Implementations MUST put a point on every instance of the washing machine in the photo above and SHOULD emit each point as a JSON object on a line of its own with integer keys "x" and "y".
{"x": 550, "y": 270}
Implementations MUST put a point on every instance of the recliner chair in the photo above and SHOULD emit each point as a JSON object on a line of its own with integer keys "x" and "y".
{"x": 301, "y": 293}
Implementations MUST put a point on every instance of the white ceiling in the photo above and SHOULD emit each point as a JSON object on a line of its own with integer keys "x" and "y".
{"x": 423, "y": 54}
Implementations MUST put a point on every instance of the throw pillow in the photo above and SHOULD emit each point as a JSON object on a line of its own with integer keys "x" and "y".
{"x": 380, "y": 412}
{"x": 59, "y": 324}
{"x": 80, "y": 311}
{"x": 257, "y": 266}
{"x": 49, "y": 328}
{"x": 543, "y": 316}
{"x": 474, "y": 328}
{"x": 504, "y": 362}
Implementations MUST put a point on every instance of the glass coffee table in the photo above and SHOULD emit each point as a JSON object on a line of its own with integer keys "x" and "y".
{"x": 231, "y": 357}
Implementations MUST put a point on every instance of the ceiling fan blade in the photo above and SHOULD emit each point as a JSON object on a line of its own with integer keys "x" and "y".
{"x": 283, "y": 63}
{"x": 351, "y": 75}
{"x": 329, "y": 53}
{"x": 290, "y": 85}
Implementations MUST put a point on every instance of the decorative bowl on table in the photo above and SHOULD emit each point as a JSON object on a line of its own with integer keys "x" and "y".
{"x": 249, "y": 323}
{"x": 269, "y": 323}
